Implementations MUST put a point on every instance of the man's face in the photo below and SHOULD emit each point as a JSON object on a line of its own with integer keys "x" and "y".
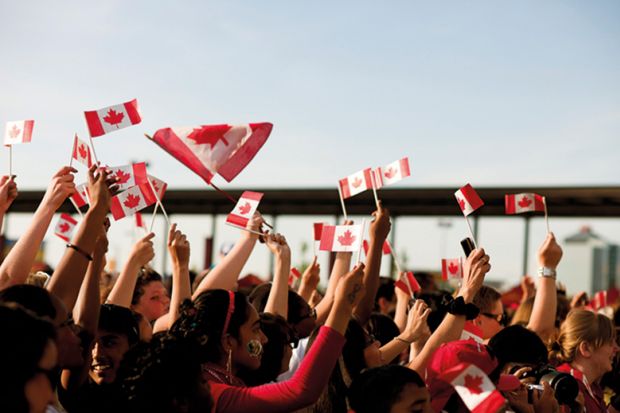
{"x": 413, "y": 399}
{"x": 107, "y": 354}
{"x": 488, "y": 321}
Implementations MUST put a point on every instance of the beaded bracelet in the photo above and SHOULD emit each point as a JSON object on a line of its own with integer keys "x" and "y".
{"x": 81, "y": 251}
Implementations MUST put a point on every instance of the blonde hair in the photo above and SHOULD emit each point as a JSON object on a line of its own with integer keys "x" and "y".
{"x": 523, "y": 313}
{"x": 581, "y": 326}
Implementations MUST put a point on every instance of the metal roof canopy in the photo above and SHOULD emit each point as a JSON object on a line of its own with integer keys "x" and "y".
{"x": 561, "y": 201}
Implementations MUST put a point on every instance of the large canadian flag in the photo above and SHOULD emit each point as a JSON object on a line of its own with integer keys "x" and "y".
{"x": 214, "y": 149}
{"x": 131, "y": 201}
{"x": 356, "y": 183}
{"x": 65, "y": 226}
{"x": 341, "y": 238}
{"x": 472, "y": 331}
{"x": 80, "y": 196}
{"x": 112, "y": 118}
{"x": 408, "y": 283}
{"x": 81, "y": 152}
{"x": 244, "y": 210}
{"x": 451, "y": 268}
{"x": 393, "y": 172}
{"x": 475, "y": 388}
{"x": 128, "y": 175}
{"x": 18, "y": 132}
{"x": 468, "y": 199}
{"x": 519, "y": 203}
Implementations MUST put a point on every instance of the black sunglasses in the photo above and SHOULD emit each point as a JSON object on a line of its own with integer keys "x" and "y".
{"x": 500, "y": 318}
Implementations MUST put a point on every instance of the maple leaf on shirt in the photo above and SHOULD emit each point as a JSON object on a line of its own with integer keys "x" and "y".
{"x": 453, "y": 268}
{"x": 64, "y": 227}
{"x": 390, "y": 173}
{"x": 525, "y": 202}
{"x": 123, "y": 177}
{"x": 14, "y": 132}
{"x": 356, "y": 182}
{"x": 209, "y": 135}
{"x": 346, "y": 239}
{"x": 82, "y": 150}
{"x": 244, "y": 209}
{"x": 473, "y": 384}
{"x": 113, "y": 117}
{"x": 132, "y": 201}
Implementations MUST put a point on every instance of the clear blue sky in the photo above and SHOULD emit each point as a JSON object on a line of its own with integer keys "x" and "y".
{"x": 492, "y": 93}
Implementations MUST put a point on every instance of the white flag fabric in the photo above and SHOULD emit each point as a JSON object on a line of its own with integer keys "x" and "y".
{"x": 18, "y": 132}
{"x": 341, "y": 238}
{"x": 356, "y": 183}
{"x": 65, "y": 226}
{"x": 244, "y": 210}
{"x": 131, "y": 201}
{"x": 81, "y": 152}
{"x": 112, "y": 118}
{"x": 392, "y": 173}
{"x": 468, "y": 199}
{"x": 129, "y": 175}
{"x": 475, "y": 388}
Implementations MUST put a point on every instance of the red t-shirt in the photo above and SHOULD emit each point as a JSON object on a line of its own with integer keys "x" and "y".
{"x": 592, "y": 392}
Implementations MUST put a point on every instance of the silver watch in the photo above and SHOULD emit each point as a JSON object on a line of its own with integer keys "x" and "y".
{"x": 546, "y": 272}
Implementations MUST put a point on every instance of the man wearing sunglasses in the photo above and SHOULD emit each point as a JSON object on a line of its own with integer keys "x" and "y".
{"x": 491, "y": 318}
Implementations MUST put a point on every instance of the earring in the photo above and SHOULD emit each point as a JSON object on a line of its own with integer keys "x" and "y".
{"x": 229, "y": 364}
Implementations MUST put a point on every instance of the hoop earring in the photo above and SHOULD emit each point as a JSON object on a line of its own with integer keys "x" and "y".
{"x": 229, "y": 364}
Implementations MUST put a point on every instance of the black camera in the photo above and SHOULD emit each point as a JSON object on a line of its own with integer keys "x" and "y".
{"x": 565, "y": 386}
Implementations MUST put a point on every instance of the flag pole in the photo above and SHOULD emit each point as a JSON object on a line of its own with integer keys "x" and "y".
{"x": 73, "y": 151}
{"x": 374, "y": 191}
{"x": 471, "y": 232}
{"x": 153, "y": 218}
{"x": 10, "y": 160}
{"x": 251, "y": 231}
{"x": 159, "y": 202}
{"x": 394, "y": 257}
{"x": 546, "y": 214}
{"x": 359, "y": 250}
{"x": 344, "y": 210}
{"x": 92, "y": 146}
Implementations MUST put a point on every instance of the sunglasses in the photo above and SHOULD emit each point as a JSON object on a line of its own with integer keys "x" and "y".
{"x": 500, "y": 318}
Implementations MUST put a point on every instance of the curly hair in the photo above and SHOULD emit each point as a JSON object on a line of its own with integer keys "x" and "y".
{"x": 146, "y": 277}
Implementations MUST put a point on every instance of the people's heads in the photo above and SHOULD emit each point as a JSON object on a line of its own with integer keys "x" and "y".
{"x": 385, "y": 299}
{"x": 516, "y": 345}
{"x": 361, "y": 350}
{"x": 491, "y": 317}
{"x": 116, "y": 333}
{"x": 586, "y": 338}
{"x": 522, "y": 314}
{"x": 276, "y": 353}
{"x": 150, "y": 297}
{"x": 28, "y": 356}
{"x": 227, "y": 325}
{"x": 164, "y": 376}
{"x": 389, "y": 389}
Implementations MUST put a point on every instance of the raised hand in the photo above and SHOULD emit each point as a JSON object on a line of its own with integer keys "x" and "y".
{"x": 550, "y": 252}
{"x": 380, "y": 227}
{"x": 312, "y": 274}
{"x": 178, "y": 246}
{"x": 254, "y": 224}
{"x": 143, "y": 252}
{"x": 8, "y": 192}
{"x": 277, "y": 244}
{"x": 350, "y": 288}
{"x": 61, "y": 187}
{"x": 416, "y": 322}
{"x": 99, "y": 191}
{"x": 474, "y": 270}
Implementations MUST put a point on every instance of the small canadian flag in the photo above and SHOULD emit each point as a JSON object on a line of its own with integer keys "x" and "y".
{"x": 475, "y": 388}
{"x": 468, "y": 199}
{"x": 140, "y": 221}
{"x": 385, "y": 249}
{"x": 80, "y": 196}
{"x": 18, "y": 132}
{"x": 112, "y": 118}
{"x": 451, "y": 268}
{"x": 599, "y": 300}
{"x": 293, "y": 276}
{"x": 472, "y": 331}
{"x": 129, "y": 175}
{"x": 244, "y": 210}
{"x": 159, "y": 186}
{"x": 341, "y": 238}
{"x": 65, "y": 226}
{"x": 519, "y": 203}
{"x": 407, "y": 280}
{"x": 392, "y": 173}
{"x": 356, "y": 183}
{"x": 81, "y": 152}
{"x": 131, "y": 201}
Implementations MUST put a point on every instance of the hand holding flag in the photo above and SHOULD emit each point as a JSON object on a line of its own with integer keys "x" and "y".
{"x": 244, "y": 210}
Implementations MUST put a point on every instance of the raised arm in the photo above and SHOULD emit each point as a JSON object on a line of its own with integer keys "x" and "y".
{"x": 542, "y": 320}
{"x": 379, "y": 230}
{"x": 69, "y": 273}
{"x": 225, "y": 274}
{"x": 8, "y": 193}
{"x": 277, "y": 302}
{"x": 340, "y": 268}
{"x": 400, "y": 315}
{"x": 178, "y": 247}
{"x": 141, "y": 254}
{"x": 451, "y": 327}
{"x": 309, "y": 280}
{"x": 16, "y": 266}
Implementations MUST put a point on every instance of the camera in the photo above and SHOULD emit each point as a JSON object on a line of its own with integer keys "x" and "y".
{"x": 565, "y": 386}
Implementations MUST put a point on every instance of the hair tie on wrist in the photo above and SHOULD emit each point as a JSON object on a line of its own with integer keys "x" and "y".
{"x": 457, "y": 306}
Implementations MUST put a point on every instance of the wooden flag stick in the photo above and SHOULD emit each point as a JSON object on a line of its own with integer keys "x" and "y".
{"x": 471, "y": 232}
{"x": 10, "y": 160}
{"x": 374, "y": 186}
{"x": 92, "y": 146}
{"x": 153, "y": 218}
{"x": 546, "y": 214}
{"x": 251, "y": 231}
{"x": 359, "y": 250}
{"x": 344, "y": 210}
{"x": 395, "y": 258}
{"x": 159, "y": 201}
{"x": 72, "y": 150}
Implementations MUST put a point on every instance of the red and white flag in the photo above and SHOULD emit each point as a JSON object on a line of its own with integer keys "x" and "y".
{"x": 341, "y": 238}
{"x": 468, "y": 199}
{"x": 244, "y": 210}
{"x": 385, "y": 249}
{"x": 159, "y": 186}
{"x": 356, "y": 183}
{"x": 18, "y": 132}
{"x": 80, "y": 197}
{"x": 599, "y": 300}
{"x": 407, "y": 279}
{"x": 451, "y": 268}
{"x": 519, "y": 203}
{"x": 293, "y": 276}
{"x": 214, "y": 149}
{"x": 317, "y": 230}
{"x": 475, "y": 388}
{"x": 140, "y": 221}
{"x": 112, "y": 118}
{"x": 81, "y": 152}
{"x": 472, "y": 331}
{"x": 131, "y": 201}
{"x": 129, "y": 175}
{"x": 392, "y": 173}
{"x": 65, "y": 226}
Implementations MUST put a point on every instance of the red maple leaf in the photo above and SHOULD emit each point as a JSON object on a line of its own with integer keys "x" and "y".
{"x": 473, "y": 384}
{"x": 14, "y": 132}
{"x": 64, "y": 227}
{"x": 357, "y": 182}
{"x": 390, "y": 173}
{"x": 346, "y": 239}
{"x": 113, "y": 117}
{"x": 123, "y": 177}
{"x": 209, "y": 135}
{"x": 82, "y": 150}
{"x": 525, "y": 202}
{"x": 244, "y": 209}
{"x": 462, "y": 204}
{"x": 155, "y": 186}
{"x": 132, "y": 201}
{"x": 453, "y": 268}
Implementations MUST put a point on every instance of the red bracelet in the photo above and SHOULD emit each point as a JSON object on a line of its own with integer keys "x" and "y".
{"x": 81, "y": 251}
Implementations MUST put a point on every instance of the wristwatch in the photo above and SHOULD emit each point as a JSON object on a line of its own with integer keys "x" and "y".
{"x": 546, "y": 272}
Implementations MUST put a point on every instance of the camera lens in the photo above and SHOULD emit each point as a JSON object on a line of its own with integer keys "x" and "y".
{"x": 565, "y": 386}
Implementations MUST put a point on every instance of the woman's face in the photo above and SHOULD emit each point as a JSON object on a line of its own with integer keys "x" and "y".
{"x": 155, "y": 302}
{"x": 38, "y": 390}
{"x": 249, "y": 333}
{"x": 603, "y": 357}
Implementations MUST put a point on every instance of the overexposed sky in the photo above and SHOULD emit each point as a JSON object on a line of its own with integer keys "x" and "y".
{"x": 492, "y": 93}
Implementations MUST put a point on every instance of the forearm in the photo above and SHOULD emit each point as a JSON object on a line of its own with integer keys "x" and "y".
{"x": 122, "y": 291}
{"x": 371, "y": 281}
{"x": 306, "y": 289}
{"x": 400, "y": 315}
{"x": 392, "y": 350}
{"x": 181, "y": 290}
{"x": 86, "y": 310}
{"x": 277, "y": 302}
{"x": 542, "y": 320}
{"x": 341, "y": 267}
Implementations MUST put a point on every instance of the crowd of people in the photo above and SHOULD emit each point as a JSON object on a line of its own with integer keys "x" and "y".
{"x": 86, "y": 341}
